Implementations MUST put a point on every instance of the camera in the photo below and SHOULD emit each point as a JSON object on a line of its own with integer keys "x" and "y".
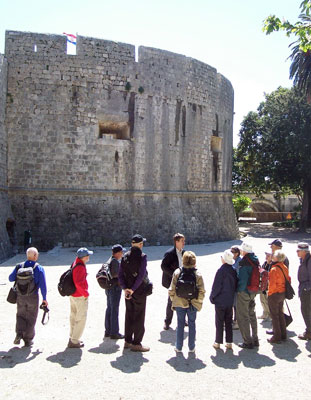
{"x": 44, "y": 308}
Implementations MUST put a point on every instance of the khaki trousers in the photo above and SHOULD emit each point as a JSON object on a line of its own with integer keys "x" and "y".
{"x": 78, "y": 313}
{"x": 264, "y": 304}
{"x": 246, "y": 316}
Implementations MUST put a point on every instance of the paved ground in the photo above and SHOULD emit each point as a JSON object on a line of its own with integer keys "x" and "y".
{"x": 102, "y": 370}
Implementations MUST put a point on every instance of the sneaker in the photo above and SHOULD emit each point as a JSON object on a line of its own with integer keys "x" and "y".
{"x": 246, "y": 345}
{"x": 166, "y": 327}
{"x": 127, "y": 345}
{"x": 28, "y": 343}
{"x": 256, "y": 343}
{"x": 192, "y": 351}
{"x": 216, "y": 346}
{"x": 235, "y": 326}
{"x": 273, "y": 341}
{"x": 140, "y": 348}
{"x": 263, "y": 316}
{"x": 229, "y": 346}
{"x": 269, "y": 332}
{"x": 72, "y": 345}
{"x": 177, "y": 350}
{"x": 18, "y": 338}
{"x": 107, "y": 335}
{"x": 117, "y": 336}
{"x": 305, "y": 336}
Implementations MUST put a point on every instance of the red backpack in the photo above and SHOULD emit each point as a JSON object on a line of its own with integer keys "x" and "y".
{"x": 254, "y": 281}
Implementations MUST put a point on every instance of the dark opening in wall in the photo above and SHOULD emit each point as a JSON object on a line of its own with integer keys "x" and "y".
{"x": 10, "y": 228}
{"x": 116, "y": 130}
{"x": 116, "y": 156}
{"x": 183, "y": 121}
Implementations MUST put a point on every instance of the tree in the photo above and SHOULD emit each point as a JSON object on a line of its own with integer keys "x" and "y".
{"x": 240, "y": 203}
{"x": 274, "y": 152}
{"x": 300, "y": 69}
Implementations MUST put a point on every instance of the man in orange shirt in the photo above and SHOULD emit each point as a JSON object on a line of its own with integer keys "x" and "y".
{"x": 79, "y": 299}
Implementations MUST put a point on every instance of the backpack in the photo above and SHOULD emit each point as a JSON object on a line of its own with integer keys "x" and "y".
{"x": 254, "y": 281}
{"x": 186, "y": 285}
{"x": 104, "y": 277}
{"x": 66, "y": 286}
{"x": 25, "y": 281}
{"x": 263, "y": 280}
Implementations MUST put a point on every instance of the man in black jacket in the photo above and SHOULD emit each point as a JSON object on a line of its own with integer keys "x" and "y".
{"x": 172, "y": 260}
{"x": 132, "y": 272}
{"x": 304, "y": 289}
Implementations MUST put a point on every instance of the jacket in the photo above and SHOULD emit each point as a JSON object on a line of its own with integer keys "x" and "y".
{"x": 184, "y": 303}
{"x": 169, "y": 264}
{"x": 224, "y": 287}
{"x": 304, "y": 274}
{"x": 132, "y": 270}
{"x": 245, "y": 271}
{"x": 276, "y": 278}
{"x": 79, "y": 278}
{"x": 38, "y": 275}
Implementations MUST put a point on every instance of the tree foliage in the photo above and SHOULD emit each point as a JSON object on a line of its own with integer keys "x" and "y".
{"x": 274, "y": 152}
{"x": 240, "y": 203}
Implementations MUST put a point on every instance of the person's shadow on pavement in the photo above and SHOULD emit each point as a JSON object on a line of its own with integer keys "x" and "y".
{"x": 67, "y": 358}
{"x": 253, "y": 359}
{"x": 17, "y": 355}
{"x": 106, "y": 347}
{"x": 130, "y": 362}
{"x": 182, "y": 364}
{"x": 226, "y": 359}
{"x": 286, "y": 351}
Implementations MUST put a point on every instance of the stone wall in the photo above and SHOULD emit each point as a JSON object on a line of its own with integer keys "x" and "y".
{"x": 6, "y": 218}
{"x": 101, "y": 146}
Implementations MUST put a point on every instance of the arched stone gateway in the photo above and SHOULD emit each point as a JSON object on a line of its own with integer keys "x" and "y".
{"x": 102, "y": 146}
{"x": 262, "y": 205}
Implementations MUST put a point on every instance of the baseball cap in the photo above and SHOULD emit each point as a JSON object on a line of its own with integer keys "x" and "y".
{"x": 117, "y": 247}
{"x": 83, "y": 252}
{"x": 276, "y": 242}
{"x": 138, "y": 238}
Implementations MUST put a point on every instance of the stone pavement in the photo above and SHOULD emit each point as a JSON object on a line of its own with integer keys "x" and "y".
{"x": 102, "y": 370}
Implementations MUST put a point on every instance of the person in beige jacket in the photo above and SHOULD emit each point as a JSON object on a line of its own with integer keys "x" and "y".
{"x": 187, "y": 305}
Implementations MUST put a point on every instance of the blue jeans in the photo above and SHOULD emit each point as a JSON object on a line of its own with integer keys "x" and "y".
{"x": 191, "y": 312}
{"x": 112, "y": 311}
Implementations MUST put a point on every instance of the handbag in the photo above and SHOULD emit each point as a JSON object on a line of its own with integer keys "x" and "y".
{"x": 12, "y": 296}
{"x": 289, "y": 291}
{"x": 288, "y": 318}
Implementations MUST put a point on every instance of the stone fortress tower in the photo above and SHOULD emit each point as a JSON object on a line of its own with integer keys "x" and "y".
{"x": 95, "y": 147}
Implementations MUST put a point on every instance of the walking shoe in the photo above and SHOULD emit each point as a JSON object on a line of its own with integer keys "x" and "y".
{"x": 28, "y": 343}
{"x": 216, "y": 346}
{"x": 117, "y": 336}
{"x": 269, "y": 332}
{"x": 166, "y": 327}
{"x": 139, "y": 347}
{"x": 273, "y": 341}
{"x": 72, "y": 345}
{"x": 18, "y": 338}
{"x": 192, "y": 351}
{"x": 229, "y": 346}
{"x": 127, "y": 345}
{"x": 263, "y": 316}
{"x": 256, "y": 343}
{"x": 305, "y": 336}
{"x": 246, "y": 345}
{"x": 107, "y": 335}
{"x": 178, "y": 351}
{"x": 235, "y": 326}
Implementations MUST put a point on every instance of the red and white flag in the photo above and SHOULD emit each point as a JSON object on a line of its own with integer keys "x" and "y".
{"x": 71, "y": 38}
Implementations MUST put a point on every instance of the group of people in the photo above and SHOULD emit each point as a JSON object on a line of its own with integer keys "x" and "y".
{"x": 232, "y": 294}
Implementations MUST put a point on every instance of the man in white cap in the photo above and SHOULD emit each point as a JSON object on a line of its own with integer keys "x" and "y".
{"x": 246, "y": 315}
{"x": 79, "y": 299}
{"x": 304, "y": 289}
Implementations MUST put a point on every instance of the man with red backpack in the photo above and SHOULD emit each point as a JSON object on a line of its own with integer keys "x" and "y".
{"x": 248, "y": 282}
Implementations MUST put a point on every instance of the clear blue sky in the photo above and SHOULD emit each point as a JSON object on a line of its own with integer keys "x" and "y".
{"x": 226, "y": 34}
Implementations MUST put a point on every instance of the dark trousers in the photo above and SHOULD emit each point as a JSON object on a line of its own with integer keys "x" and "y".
{"x": 26, "y": 316}
{"x": 112, "y": 310}
{"x": 305, "y": 299}
{"x": 169, "y": 312}
{"x": 275, "y": 302}
{"x": 135, "y": 319}
{"x": 223, "y": 316}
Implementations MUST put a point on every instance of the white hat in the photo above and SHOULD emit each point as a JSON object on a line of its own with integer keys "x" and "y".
{"x": 247, "y": 247}
{"x": 228, "y": 257}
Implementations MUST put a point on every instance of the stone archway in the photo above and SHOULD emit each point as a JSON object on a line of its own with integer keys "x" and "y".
{"x": 263, "y": 205}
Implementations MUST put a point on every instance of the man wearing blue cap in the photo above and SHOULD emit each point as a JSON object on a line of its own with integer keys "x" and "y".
{"x": 113, "y": 295}
{"x": 79, "y": 299}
